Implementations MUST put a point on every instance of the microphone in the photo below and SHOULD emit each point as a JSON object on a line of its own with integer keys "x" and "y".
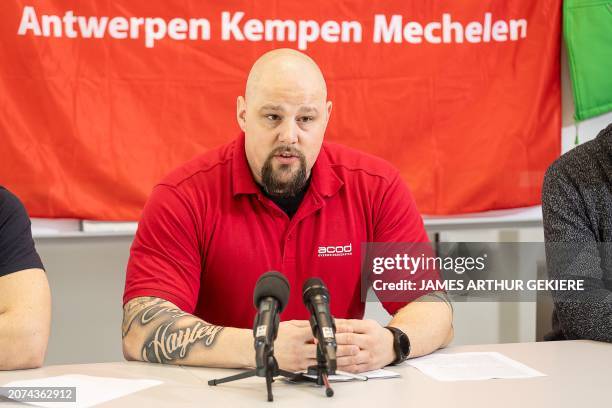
{"x": 316, "y": 299}
{"x": 270, "y": 297}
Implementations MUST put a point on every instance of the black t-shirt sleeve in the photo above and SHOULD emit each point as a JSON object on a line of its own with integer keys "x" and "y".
{"x": 17, "y": 251}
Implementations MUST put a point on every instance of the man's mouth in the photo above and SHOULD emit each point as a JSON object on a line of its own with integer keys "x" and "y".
{"x": 287, "y": 157}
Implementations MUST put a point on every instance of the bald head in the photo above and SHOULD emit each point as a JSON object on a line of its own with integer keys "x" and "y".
{"x": 286, "y": 68}
{"x": 283, "y": 114}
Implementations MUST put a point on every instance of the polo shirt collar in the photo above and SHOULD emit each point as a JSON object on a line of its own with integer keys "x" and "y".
{"x": 242, "y": 178}
{"x": 325, "y": 181}
{"x": 324, "y": 178}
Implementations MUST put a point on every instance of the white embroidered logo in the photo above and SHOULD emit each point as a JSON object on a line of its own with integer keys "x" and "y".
{"x": 339, "y": 250}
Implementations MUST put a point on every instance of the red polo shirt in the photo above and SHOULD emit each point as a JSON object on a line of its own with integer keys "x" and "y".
{"x": 207, "y": 233}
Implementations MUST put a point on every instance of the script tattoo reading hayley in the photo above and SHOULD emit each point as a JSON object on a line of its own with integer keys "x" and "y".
{"x": 168, "y": 341}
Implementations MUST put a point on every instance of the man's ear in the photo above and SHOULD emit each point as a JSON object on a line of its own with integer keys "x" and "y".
{"x": 241, "y": 113}
{"x": 329, "y": 109}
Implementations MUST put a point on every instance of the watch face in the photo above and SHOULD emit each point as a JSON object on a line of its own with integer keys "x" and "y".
{"x": 404, "y": 344}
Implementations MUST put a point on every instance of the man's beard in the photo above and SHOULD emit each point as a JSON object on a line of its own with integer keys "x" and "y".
{"x": 274, "y": 180}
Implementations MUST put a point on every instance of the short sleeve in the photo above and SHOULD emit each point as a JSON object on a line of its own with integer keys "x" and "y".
{"x": 165, "y": 257}
{"x": 398, "y": 221}
{"x": 17, "y": 249}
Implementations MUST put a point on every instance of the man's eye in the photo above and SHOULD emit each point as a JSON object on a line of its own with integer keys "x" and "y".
{"x": 306, "y": 119}
{"x": 272, "y": 117}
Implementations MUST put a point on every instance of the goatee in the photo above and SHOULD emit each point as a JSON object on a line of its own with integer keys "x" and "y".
{"x": 275, "y": 181}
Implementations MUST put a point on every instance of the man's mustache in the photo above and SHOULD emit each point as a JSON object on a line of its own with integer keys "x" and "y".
{"x": 286, "y": 150}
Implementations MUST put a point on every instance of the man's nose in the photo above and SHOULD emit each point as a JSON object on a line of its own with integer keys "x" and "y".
{"x": 289, "y": 133}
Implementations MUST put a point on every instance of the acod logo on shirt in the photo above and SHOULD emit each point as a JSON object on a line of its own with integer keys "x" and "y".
{"x": 336, "y": 250}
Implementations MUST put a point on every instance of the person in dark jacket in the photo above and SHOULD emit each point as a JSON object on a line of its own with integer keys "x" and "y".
{"x": 577, "y": 210}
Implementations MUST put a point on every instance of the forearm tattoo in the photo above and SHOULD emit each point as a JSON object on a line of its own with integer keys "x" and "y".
{"x": 169, "y": 343}
{"x": 173, "y": 332}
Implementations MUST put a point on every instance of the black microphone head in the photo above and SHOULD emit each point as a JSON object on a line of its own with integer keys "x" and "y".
{"x": 273, "y": 284}
{"x": 313, "y": 287}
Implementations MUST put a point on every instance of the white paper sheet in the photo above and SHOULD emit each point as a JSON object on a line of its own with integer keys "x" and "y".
{"x": 90, "y": 390}
{"x": 472, "y": 366}
{"x": 368, "y": 375}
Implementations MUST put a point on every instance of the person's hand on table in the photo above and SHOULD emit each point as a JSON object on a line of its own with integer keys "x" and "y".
{"x": 295, "y": 348}
{"x": 372, "y": 342}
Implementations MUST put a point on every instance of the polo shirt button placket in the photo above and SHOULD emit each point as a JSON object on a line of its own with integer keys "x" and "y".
{"x": 289, "y": 254}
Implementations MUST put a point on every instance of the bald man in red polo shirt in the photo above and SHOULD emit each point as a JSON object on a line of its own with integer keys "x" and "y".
{"x": 275, "y": 198}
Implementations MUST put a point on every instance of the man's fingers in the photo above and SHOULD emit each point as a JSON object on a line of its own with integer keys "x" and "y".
{"x": 362, "y": 326}
{"x": 356, "y": 368}
{"x": 343, "y": 326}
{"x": 309, "y": 356}
{"x": 341, "y": 350}
{"x": 304, "y": 333}
{"x": 300, "y": 323}
{"x": 356, "y": 339}
{"x": 307, "y": 335}
{"x": 347, "y": 363}
{"x": 310, "y": 351}
{"x": 354, "y": 325}
{"x": 347, "y": 350}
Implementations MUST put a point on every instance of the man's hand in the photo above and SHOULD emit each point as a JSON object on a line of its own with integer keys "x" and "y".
{"x": 295, "y": 348}
{"x": 372, "y": 342}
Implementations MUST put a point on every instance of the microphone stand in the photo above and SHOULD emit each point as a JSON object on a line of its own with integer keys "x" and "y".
{"x": 316, "y": 299}
{"x": 270, "y": 371}
{"x": 265, "y": 362}
{"x": 320, "y": 372}
{"x": 267, "y": 366}
{"x": 269, "y": 297}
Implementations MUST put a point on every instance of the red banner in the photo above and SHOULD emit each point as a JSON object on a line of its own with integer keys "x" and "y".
{"x": 100, "y": 99}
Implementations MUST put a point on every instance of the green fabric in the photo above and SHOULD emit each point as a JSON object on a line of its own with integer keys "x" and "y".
{"x": 587, "y": 26}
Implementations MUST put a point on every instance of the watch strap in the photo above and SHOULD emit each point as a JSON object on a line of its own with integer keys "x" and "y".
{"x": 401, "y": 345}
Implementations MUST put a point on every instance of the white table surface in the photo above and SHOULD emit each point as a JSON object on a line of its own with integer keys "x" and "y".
{"x": 579, "y": 374}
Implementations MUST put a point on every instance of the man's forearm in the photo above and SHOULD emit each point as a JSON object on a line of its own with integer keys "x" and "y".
{"x": 428, "y": 322}
{"x": 155, "y": 330}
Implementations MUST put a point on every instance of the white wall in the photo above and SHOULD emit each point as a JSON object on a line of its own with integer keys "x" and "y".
{"x": 86, "y": 276}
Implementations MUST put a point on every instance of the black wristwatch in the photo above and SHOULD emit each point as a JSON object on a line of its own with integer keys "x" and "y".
{"x": 401, "y": 345}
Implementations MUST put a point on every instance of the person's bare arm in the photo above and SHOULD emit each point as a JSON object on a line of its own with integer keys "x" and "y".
{"x": 426, "y": 321}
{"x": 157, "y": 331}
{"x": 25, "y": 318}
